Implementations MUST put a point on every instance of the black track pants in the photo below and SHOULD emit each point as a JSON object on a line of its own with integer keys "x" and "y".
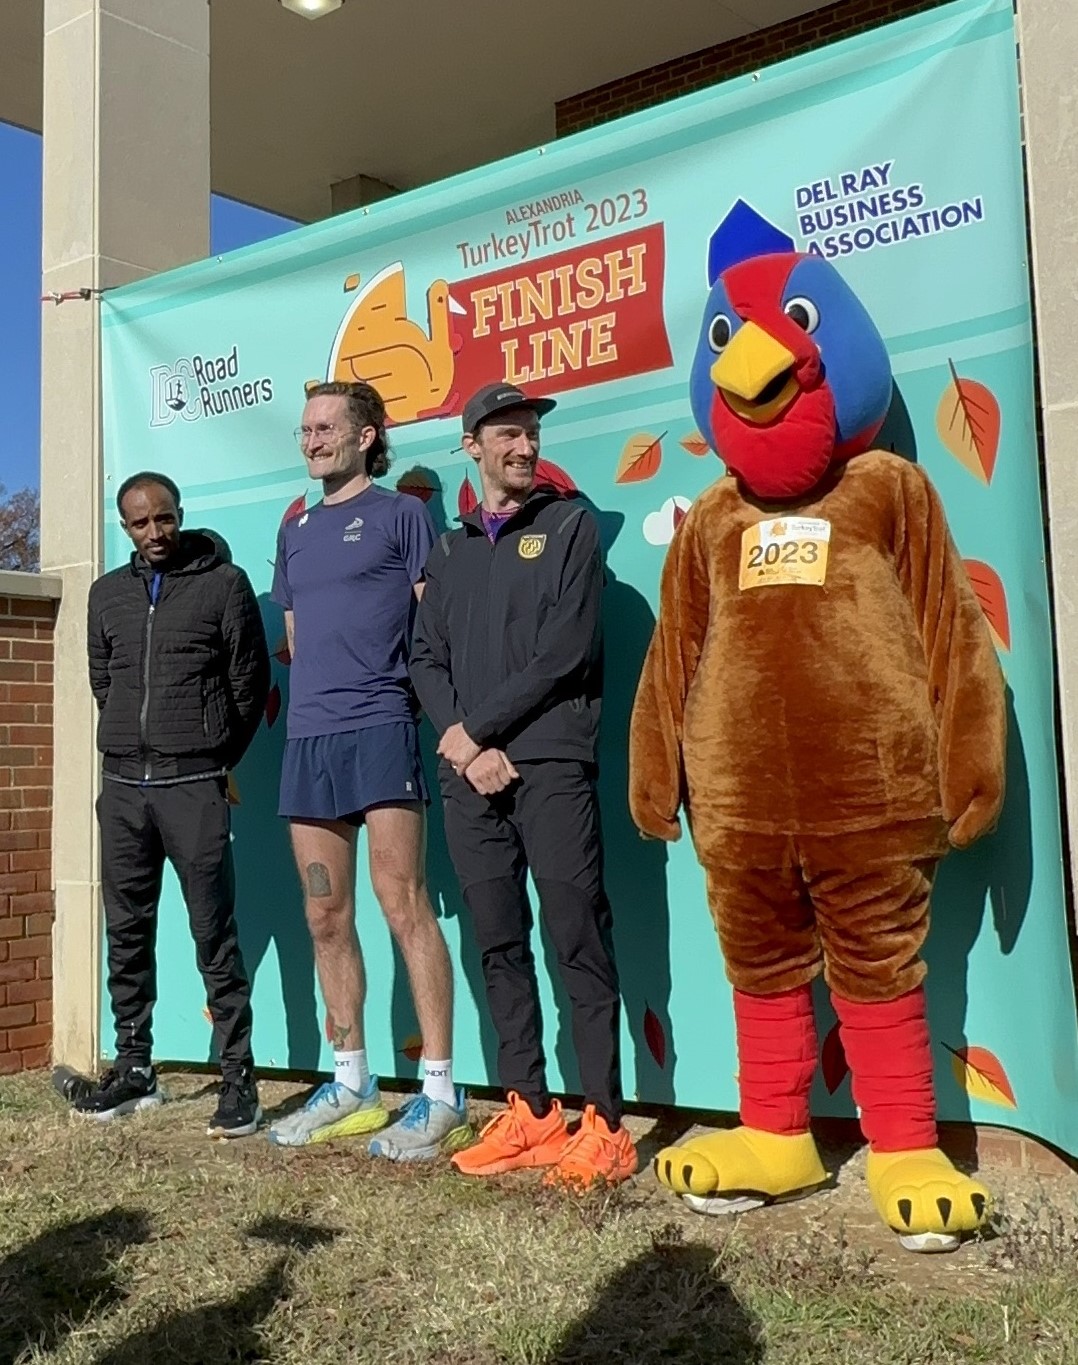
{"x": 189, "y": 824}
{"x": 547, "y": 822}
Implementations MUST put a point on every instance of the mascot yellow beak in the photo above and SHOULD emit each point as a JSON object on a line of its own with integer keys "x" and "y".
{"x": 753, "y": 361}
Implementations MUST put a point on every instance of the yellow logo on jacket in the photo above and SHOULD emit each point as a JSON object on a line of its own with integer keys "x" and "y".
{"x": 531, "y": 547}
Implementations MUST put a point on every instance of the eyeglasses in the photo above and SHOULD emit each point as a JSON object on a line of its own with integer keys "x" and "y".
{"x": 325, "y": 431}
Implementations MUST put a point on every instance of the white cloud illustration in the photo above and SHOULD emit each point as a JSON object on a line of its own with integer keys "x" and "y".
{"x": 659, "y": 526}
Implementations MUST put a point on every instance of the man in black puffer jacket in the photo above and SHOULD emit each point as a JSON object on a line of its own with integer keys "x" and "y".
{"x": 180, "y": 672}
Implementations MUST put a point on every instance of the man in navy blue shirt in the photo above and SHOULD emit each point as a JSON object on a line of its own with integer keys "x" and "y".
{"x": 348, "y": 575}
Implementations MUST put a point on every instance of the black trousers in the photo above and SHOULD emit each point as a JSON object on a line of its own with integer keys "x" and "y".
{"x": 189, "y": 824}
{"x": 547, "y": 823}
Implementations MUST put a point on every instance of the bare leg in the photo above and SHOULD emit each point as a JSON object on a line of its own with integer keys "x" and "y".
{"x": 397, "y": 837}
{"x": 325, "y": 852}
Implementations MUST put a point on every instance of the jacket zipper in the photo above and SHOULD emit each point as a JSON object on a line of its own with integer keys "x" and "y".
{"x": 144, "y": 711}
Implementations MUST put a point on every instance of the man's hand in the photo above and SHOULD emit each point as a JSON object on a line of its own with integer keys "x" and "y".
{"x": 491, "y": 772}
{"x": 458, "y": 748}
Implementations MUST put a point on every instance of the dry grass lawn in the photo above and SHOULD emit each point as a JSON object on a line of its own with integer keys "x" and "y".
{"x": 141, "y": 1242}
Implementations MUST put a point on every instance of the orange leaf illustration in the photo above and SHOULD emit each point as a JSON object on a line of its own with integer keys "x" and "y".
{"x": 233, "y": 793}
{"x": 417, "y": 482}
{"x": 412, "y": 1047}
{"x": 640, "y": 458}
{"x": 833, "y": 1062}
{"x": 295, "y": 508}
{"x": 980, "y": 1073}
{"x": 273, "y": 705}
{"x": 695, "y": 444}
{"x": 207, "y": 1015}
{"x": 466, "y": 499}
{"x": 968, "y": 422}
{"x": 654, "y": 1035}
{"x": 282, "y": 653}
{"x": 547, "y": 472}
{"x": 988, "y": 586}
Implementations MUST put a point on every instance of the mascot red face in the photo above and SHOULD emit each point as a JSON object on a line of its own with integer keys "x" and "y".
{"x": 790, "y": 374}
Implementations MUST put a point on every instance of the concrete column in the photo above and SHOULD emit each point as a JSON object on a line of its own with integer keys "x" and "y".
{"x": 357, "y": 192}
{"x": 126, "y": 124}
{"x": 1048, "y": 39}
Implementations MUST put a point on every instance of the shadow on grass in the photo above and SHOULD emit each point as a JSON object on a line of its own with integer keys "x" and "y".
{"x": 58, "y": 1281}
{"x": 669, "y": 1304}
{"x": 228, "y": 1329}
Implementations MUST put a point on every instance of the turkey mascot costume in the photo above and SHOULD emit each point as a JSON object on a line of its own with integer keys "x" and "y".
{"x": 822, "y": 695}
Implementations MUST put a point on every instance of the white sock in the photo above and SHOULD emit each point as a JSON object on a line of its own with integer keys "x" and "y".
{"x": 438, "y": 1082}
{"x": 350, "y": 1069}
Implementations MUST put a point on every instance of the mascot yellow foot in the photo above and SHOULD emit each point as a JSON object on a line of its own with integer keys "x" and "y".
{"x": 741, "y": 1169}
{"x": 921, "y": 1196}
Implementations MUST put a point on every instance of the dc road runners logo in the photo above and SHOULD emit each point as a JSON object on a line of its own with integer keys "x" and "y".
{"x": 203, "y": 386}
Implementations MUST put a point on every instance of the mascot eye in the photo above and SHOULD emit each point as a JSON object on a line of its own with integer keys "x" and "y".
{"x": 804, "y": 312}
{"x": 718, "y": 334}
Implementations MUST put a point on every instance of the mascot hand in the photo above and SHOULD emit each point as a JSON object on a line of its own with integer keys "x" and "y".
{"x": 978, "y": 817}
{"x": 653, "y": 826}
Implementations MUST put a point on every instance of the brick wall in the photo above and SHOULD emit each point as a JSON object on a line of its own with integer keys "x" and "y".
{"x": 642, "y": 89}
{"x": 26, "y": 904}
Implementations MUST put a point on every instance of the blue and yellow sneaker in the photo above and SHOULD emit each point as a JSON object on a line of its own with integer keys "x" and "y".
{"x": 423, "y": 1128}
{"x": 332, "y": 1111}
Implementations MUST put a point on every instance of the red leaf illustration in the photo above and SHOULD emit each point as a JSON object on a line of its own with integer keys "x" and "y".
{"x": 968, "y": 422}
{"x": 679, "y": 516}
{"x": 981, "y": 1074}
{"x": 466, "y": 499}
{"x": 992, "y": 596}
{"x": 833, "y": 1062}
{"x": 281, "y": 653}
{"x": 295, "y": 508}
{"x": 417, "y": 482}
{"x": 273, "y": 705}
{"x": 695, "y": 444}
{"x": 640, "y": 458}
{"x": 412, "y": 1047}
{"x": 547, "y": 472}
{"x": 654, "y": 1035}
{"x": 329, "y": 1027}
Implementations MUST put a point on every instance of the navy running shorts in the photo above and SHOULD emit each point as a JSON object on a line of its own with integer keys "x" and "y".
{"x": 341, "y": 777}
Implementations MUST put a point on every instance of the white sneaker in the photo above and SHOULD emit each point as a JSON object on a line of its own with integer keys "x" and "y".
{"x": 332, "y": 1111}
{"x": 425, "y": 1127}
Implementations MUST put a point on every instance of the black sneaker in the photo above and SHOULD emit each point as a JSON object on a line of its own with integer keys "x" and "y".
{"x": 119, "y": 1091}
{"x": 238, "y": 1113}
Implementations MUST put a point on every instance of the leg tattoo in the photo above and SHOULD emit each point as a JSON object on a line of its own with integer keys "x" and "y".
{"x": 318, "y": 883}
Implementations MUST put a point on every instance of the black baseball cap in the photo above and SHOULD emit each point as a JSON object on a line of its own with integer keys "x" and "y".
{"x": 493, "y": 398}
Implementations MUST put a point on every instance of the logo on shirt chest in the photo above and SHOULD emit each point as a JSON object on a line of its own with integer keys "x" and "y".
{"x": 531, "y": 547}
{"x": 354, "y": 530}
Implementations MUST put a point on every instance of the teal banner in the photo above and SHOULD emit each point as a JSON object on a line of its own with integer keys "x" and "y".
{"x": 580, "y": 269}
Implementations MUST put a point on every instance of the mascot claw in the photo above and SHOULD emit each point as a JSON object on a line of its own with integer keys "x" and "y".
{"x": 925, "y": 1200}
{"x": 740, "y": 1169}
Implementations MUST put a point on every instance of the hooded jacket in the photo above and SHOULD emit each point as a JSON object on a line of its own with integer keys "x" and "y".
{"x": 178, "y": 663}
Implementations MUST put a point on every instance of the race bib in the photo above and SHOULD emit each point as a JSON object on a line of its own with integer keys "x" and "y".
{"x": 786, "y": 550}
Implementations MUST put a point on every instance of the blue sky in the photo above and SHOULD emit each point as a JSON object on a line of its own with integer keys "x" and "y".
{"x": 231, "y": 225}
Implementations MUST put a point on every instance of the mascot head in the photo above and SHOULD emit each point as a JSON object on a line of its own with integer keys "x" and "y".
{"x": 790, "y": 374}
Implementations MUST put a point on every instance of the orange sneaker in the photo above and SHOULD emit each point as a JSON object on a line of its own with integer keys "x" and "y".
{"x": 515, "y": 1139}
{"x": 595, "y": 1154}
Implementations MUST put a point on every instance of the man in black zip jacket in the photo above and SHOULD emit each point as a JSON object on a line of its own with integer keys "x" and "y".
{"x": 180, "y": 672}
{"x": 507, "y": 662}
